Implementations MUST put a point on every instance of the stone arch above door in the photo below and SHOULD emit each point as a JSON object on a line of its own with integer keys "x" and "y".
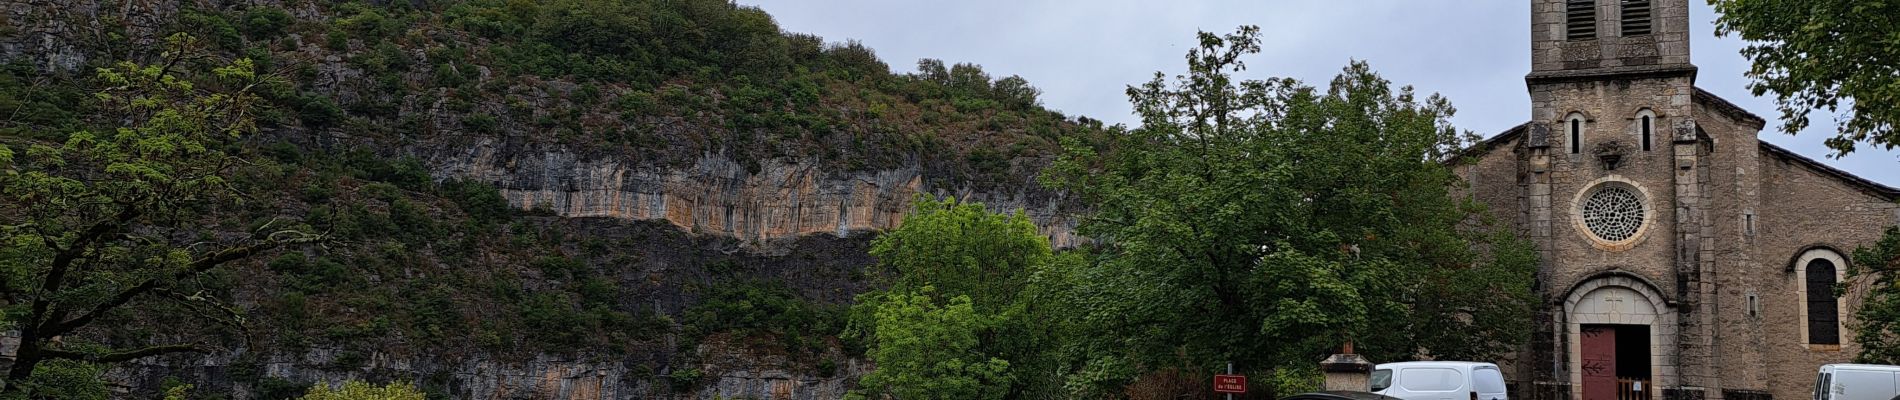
{"x": 1621, "y": 299}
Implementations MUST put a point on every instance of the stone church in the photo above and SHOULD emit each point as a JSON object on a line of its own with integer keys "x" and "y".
{"x": 1682, "y": 257}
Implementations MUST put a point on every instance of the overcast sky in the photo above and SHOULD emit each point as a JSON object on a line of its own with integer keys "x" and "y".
{"x": 1083, "y": 54}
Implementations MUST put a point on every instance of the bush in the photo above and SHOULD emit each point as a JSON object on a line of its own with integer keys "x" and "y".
{"x": 319, "y": 111}
{"x": 211, "y": 26}
{"x": 763, "y": 308}
{"x": 685, "y": 378}
{"x": 479, "y": 200}
{"x": 358, "y": 390}
{"x": 264, "y": 22}
{"x": 64, "y": 380}
{"x": 558, "y": 267}
{"x": 555, "y": 321}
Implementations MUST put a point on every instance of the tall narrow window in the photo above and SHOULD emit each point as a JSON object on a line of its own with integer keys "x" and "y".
{"x": 1576, "y": 134}
{"x": 1824, "y": 322}
{"x": 1748, "y": 223}
{"x": 1636, "y": 19}
{"x": 1646, "y": 130}
{"x": 1754, "y": 306}
{"x": 1580, "y": 19}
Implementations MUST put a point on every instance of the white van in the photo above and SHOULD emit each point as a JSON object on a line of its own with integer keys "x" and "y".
{"x": 1440, "y": 380}
{"x": 1857, "y": 382}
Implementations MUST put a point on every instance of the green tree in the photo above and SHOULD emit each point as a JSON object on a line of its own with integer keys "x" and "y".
{"x": 1824, "y": 55}
{"x": 61, "y": 380}
{"x": 1265, "y": 222}
{"x": 963, "y": 252}
{"x": 927, "y": 350}
{"x": 1878, "y": 331}
{"x": 133, "y": 218}
{"x": 357, "y": 390}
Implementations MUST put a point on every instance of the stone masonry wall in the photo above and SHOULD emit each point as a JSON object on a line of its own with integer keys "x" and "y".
{"x": 1609, "y": 107}
{"x": 1800, "y": 208}
{"x": 1551, "y": 51}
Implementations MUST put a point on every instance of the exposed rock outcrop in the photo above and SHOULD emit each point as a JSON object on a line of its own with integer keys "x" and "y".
{"x": 782, "y": 200}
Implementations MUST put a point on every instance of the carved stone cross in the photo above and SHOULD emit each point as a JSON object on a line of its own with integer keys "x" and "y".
{"x": 1616, "y": 303}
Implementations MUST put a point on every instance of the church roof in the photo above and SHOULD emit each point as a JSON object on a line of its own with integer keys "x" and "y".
{"x": 1723, "y": 106}
{"x": 1874, "y": 188}
{"x": 1485, "y": 146}
{"x": 1871, "y": 187}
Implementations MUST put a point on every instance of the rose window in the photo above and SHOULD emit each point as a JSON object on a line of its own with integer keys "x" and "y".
{"x": 1613, "y": 213}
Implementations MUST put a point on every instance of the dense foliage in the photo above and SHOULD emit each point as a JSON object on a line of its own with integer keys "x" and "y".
{"x": 1838, "y": 56}
{"x": 929, "y": 351}
{"x": 117, "y": 220}
{"x": 1266, "y": 222}
{"x": 419, "y": 264}
{"x": 1246, "y": 221}
{"x": 962, "y": 312}
{"x": 358, "y": 390}
{"x": 629, "y": 75}
{"x": 1878, "y": 329}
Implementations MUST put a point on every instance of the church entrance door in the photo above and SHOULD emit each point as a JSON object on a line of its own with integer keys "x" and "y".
{"x": 1619, "y": 340}
{"x": 1599, "y": 362}
{"x": 1615, "y": 362}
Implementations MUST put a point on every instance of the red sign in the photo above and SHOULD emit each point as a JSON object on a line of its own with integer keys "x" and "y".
{"x": 1230, "y": 384}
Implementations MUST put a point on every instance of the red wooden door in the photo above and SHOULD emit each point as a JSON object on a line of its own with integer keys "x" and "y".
{"x": 1599, "y": 363}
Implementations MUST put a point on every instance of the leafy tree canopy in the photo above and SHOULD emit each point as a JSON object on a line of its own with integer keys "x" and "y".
{"x": 1878, "y": 331}
{"x": 927, "y": 348}
{"x": 963, "y": 316}
{"x": 1265, "y": 222}
{"x": 358, "y": 390}
{"x": 1838, "y": 56}
{"x": 105, "y": 222}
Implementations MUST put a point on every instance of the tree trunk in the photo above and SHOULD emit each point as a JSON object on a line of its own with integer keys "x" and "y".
{"x": 23, "y": 365}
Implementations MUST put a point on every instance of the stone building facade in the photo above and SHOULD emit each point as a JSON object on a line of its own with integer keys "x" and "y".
{"x": 1682, "y": 258}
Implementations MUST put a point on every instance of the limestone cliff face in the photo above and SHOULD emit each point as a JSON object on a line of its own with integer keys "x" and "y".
{"x": 717, "y": 196}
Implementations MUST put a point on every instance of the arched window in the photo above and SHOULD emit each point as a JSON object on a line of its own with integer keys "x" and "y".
{"x": 1636, "y": 19}
{"x": 1646, "y": 126}
{"x": 1580, "y": 19}
{"x": 1818, "y": 271}
{"x": 1824, "y": 322}
{"x": 1574, "y": 126}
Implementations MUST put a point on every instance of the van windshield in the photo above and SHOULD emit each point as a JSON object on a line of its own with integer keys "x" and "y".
{"x": 1820, "y": 386}
{"x": 1381, "y": 379}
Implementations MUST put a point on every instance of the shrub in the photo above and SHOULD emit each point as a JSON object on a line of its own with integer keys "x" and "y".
{"x": 212, "y": 26}
{"x": 64, "y": 380}
{"x": 264, "y": 22}
{"x": 685, "y": 378}
{"x": 558, "y": 266}
{"x": 318, "y": 111}
{"x": 480, "y": 123}
{"x": 358, "y": 390}
{"x": 760, "y": 307}
{"x": 480, "y": 201}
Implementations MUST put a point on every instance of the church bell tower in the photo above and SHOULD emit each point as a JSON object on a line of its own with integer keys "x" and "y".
{"x": 1616, "y": 198}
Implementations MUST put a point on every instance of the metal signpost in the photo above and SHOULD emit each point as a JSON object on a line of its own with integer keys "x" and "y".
{"x": 1230, "y": 383}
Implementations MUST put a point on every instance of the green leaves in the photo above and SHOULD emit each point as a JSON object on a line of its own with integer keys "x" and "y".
{"x": 963, "y": 249}
{"x": 133, "y": 218}
{"x": 1266, "y": 222}
{"x": 1824, "y": 55}
{"x": 928, "y": 350}
{"x": 1879, "y": 329}
{"x": 358, "y": 390}
{"x": 965, "y": 313}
